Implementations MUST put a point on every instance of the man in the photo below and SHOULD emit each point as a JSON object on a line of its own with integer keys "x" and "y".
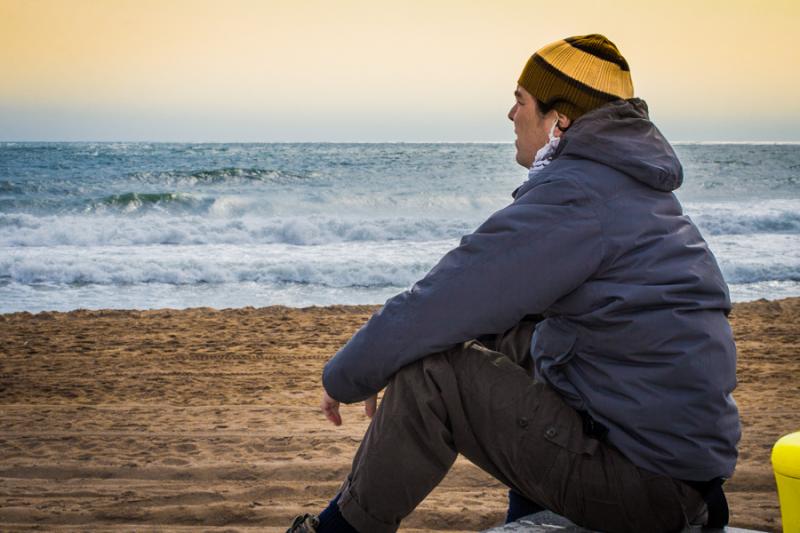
{"x": 575, "y": 346}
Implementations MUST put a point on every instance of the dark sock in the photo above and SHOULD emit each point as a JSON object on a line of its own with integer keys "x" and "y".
{"x": 519, "y": 506}
{"x": 332, "y": 521}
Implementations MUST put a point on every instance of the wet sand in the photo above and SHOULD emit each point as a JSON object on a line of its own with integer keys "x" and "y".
{"x": 203, "y": 419}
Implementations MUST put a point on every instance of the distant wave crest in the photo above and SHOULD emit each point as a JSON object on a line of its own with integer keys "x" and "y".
{"x": 132, "y": 202}
{"x": 218, "y": 175}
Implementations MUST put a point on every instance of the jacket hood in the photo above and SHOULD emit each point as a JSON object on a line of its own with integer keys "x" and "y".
{"x": 621, "y": 136}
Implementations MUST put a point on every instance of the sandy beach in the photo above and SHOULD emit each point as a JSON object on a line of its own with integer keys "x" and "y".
{"x": 203, "y": 419}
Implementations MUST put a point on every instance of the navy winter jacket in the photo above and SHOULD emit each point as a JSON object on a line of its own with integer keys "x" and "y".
{"x": 636, "y": 330}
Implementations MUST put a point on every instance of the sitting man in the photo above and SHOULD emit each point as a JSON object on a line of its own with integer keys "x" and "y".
{"x": 575, "y": 346}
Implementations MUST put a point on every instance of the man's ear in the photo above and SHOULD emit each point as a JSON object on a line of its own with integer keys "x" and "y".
{"x": 564, "y": 122}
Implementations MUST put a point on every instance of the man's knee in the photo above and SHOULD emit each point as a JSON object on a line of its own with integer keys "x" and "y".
{"x": 438, "y": 368}
{"x": 414, "y": 369}
{"x": 433, "y": 367}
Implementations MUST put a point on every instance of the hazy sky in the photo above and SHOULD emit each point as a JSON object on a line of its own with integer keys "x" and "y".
{"x": 428, "y": 70}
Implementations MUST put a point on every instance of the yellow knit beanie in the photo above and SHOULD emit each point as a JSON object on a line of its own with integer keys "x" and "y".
{"x": 577, "y": 74}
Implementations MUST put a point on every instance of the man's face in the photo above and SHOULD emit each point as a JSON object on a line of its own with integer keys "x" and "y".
{"x": 531, "y": 127}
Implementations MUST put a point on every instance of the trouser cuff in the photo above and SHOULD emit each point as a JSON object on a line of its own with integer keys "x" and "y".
{"x": 358, "y": 517}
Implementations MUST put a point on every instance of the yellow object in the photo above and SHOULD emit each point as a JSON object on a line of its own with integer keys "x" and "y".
{"x": 786, "y": 463}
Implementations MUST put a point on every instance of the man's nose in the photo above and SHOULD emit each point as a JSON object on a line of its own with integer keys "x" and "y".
{"x": 511, "y": 112}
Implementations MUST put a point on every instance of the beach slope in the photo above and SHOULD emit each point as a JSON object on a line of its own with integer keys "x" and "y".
{"x": 169, "y": 420}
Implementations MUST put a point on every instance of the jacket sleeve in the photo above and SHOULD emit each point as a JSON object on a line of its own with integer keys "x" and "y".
{"x": 519, "y": 261}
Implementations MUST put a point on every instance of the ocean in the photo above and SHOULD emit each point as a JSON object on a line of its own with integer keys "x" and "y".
{"x": 142, "y": 226}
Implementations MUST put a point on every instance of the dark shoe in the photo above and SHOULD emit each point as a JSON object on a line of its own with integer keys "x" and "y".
{"x": 306, "y": 523}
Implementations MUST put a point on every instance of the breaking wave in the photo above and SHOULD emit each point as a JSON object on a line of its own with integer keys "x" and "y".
{"x": 112, "y": 268}
{"x": 771, "y": 217}
{"x": 24, "y": 230}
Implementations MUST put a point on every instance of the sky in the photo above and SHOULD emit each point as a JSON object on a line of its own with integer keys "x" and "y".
{"x": 376, "y": 71}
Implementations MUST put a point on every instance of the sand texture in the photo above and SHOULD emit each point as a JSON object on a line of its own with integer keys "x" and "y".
{"x": 202, "y": 419}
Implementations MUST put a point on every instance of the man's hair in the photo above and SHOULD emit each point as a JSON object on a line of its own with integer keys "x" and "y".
{"x": 542, "y": 107}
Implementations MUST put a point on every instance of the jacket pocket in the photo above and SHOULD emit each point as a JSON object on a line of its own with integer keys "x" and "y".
{"x": 556, "y": 445}
{"x": 565, "y": 429}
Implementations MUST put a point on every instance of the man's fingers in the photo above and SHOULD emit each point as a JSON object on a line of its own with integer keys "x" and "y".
{"x": 332, "y": 414}
{"x": 371, "y": 405}
{"x": 330, "y": 407}
{"x": 335, "y": 417}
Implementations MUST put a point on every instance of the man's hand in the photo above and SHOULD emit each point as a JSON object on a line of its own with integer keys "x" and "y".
{"x": 371, "y": 405}
{"x": 330, "y": 407}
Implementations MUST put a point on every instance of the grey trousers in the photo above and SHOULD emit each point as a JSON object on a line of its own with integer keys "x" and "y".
{"x": 479, "y": 399}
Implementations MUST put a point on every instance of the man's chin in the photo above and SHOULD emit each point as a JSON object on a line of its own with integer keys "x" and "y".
{"x": 522, "y": 161}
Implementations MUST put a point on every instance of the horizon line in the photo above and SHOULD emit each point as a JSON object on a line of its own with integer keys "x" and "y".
{"x": 682, "y": 142}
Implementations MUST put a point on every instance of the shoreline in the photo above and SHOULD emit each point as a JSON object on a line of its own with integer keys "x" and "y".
{"x": 345, "y": 307}
{"x": 169, "y": 418}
